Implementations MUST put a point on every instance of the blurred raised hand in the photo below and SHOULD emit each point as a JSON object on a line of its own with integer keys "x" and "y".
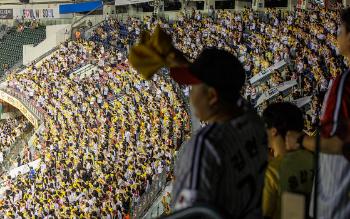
{"x": 154, "y": 52}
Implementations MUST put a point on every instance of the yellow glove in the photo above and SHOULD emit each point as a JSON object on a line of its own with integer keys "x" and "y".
{"x": 153, "y": 52}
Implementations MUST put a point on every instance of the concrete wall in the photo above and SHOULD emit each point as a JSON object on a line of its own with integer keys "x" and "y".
{"x": 108, "y": 9}
{"x": 55, "y": 35}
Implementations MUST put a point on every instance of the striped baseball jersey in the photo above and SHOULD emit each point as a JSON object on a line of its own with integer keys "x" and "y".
{"x": 334, "y": 176}
{"x": 223, "y": 165}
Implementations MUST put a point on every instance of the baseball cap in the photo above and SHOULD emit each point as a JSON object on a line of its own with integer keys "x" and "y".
{"x": 215, "y": 67}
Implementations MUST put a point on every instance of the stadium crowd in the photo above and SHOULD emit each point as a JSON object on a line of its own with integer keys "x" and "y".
{"x": 108, "y": 133}
{"x": 10, "y": 131}
{"x": 305, "y": 40}
{"x": 301, "y": 39}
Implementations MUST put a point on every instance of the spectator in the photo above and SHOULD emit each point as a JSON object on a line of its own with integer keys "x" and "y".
{"x": 10, "y": 131}
{"x": 77, "y": 35}
{"x": 334, "y": 180}
{"x": 31, "y": 173}
{"x": 19, "y": 161}
{"x": 211, "y": 170}
{"x": 288, "y": 171}
{"x": 66, "y": 35}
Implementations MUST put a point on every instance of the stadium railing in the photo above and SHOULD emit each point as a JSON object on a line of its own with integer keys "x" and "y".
{"x": 82, "y": 69}
{"x": 140, "y": 207}
{"x": 199, "y": 211}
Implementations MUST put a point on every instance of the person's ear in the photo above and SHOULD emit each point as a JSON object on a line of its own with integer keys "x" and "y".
{"x": 274, "y": 132}
{"x": 213, "y": 96}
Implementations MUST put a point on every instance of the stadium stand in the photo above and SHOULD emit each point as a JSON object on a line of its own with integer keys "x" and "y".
{"x": 12, "y": 45}
{"x": 109, "y": 135}
{"x": 111, "y": 103}
{"x": 299, "y": 50}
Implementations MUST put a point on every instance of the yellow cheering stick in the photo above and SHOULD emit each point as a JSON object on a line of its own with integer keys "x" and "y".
{"x": 154, "y": 52}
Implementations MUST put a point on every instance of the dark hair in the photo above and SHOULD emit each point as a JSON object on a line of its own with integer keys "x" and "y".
{"x": 345, "y": 19}
{"x": 283, "y": 116}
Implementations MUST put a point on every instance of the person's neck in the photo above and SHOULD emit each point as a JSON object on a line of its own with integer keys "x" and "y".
{"x": 280, "y": 147}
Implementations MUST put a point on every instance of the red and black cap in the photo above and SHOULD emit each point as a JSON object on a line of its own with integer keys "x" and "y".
{"x": 216, "y": 68}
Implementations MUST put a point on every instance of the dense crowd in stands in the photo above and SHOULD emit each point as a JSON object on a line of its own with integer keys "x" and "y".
{"x": 306, "y": 41}
{"x": 108, "y": 133}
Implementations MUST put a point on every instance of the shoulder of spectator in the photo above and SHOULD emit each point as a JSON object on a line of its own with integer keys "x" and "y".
{"x": 272, "y": 170}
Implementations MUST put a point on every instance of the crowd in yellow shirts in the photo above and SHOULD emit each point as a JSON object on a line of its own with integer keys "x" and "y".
{"x": 108, "y": 133}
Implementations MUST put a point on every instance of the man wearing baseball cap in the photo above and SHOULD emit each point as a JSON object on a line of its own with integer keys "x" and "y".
{"x": 223, "y": 163}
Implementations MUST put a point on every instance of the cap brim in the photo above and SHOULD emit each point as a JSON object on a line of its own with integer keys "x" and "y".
{"x": 183, "y": 75}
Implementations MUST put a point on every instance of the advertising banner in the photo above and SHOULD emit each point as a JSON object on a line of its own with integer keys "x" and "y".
{"x": 6, "y": 13}
{"x": 38, "y": 13}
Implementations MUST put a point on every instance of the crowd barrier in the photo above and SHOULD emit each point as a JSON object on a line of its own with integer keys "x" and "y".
{"x": 198, "y": 211}
{"x": 24, "y": 168}
{"x": 267, "y": 72}
{"x": 141, "y": 206}
{"x": 273, "y": 92}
